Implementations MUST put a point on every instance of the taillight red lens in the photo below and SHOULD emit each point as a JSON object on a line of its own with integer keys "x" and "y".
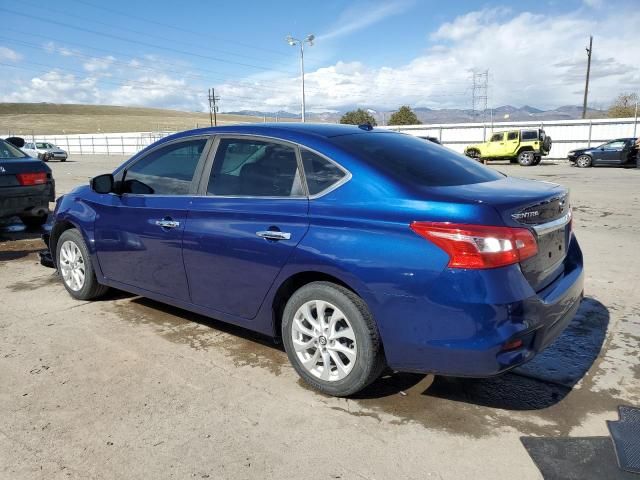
{"x": 479, "y": 246}
{"x": 36, "y": 178}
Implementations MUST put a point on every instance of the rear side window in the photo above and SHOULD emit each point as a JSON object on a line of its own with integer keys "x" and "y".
{"x": 529, "y": 135}
{"x": 414, "y": 161}
{"x": 166, "y": 171}
{"x": 320, "y": 173}
{"x": 255, "y": 168}
{"x": 9, "y": 151}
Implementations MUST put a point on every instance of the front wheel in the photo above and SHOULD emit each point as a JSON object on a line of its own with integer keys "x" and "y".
{"x": 331, "y": 339}
{"x": 583, "y": 161}
{"x": 526, "y": 158}
{"x": 74, "y": 264}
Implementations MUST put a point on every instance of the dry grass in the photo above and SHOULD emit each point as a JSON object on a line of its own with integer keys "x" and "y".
{"x": 49, "y": 118}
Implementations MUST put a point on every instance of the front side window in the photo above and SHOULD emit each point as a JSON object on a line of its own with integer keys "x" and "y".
{"x": 319, "y": 172}
{"x": 497, "y": 137}
{"x": 255, "y": 168}
{"x": 166, "y": 171}
{"x": 616, "y": 145}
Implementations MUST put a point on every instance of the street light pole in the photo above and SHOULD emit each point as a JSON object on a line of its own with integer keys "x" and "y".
{"x": 293, "y": 42}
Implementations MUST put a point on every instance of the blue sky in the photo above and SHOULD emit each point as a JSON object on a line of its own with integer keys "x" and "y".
{"x": 367, "y": 53}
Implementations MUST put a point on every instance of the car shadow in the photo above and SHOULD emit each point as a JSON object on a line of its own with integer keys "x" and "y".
{"x": 538, "y": 384}
{"x": 19, "y": 241}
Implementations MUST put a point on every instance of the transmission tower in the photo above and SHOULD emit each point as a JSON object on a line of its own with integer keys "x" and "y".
{"x": 479, "y": 93}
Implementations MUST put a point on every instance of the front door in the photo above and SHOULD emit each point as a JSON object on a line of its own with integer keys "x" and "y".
{"x": 138, "y": 234}
{"x": 245, "y": 226}
{"x": 610, "y": 153}
{"x": 496, "y": 145}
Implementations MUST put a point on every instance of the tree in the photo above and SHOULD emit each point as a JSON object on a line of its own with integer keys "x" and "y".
{"x": 623, "y": 106}
{"x": 404, "y": 116}
{"x": 358, "y": 117}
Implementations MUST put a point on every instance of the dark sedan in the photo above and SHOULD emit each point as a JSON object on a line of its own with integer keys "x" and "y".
{"x": 26, "y": 184}
{"x": 616, "y": 153}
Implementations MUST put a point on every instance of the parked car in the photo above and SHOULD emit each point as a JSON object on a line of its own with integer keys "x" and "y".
{"x": 525, "y": 146}
{"x": 357, "y": 247}
{"x": 45, "y": 151}
{"x": 26, "y": 184}
{"x": 620, "y": 152}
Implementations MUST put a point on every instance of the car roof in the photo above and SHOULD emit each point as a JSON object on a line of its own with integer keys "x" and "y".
{"x": 326, "y": 130}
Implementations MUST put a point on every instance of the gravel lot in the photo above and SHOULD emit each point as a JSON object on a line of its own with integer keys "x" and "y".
{"x": 129, "y": 388}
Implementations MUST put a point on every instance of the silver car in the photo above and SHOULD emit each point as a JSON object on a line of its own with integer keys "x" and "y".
{"x": 44, "y": 151}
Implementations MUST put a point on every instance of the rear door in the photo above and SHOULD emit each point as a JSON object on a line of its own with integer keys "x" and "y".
{"x": 138, "y": 234}
{"x": 252, "y": 212}
{"x": 511, "y": 143}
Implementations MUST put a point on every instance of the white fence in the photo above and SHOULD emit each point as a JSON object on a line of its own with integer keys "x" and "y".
{"x": 99, "y": 143}
{"x": 566, "y": 134}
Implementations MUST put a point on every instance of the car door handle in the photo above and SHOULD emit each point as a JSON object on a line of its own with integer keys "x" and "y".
{"x": 274, "y": 235}
{"x": 166, "y": 223}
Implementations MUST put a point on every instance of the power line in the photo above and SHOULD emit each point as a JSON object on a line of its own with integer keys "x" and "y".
{"x": 147, "y": 34}
{"x": 137, "y": 42}
{"x": 180, "y": 29}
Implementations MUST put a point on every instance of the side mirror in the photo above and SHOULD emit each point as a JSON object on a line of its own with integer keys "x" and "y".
{"x": 102, "y": 183}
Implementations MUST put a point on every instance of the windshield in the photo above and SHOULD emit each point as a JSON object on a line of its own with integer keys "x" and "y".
{"x": 42, "y": 145}
{"x": 9, "y": 151}
{"x": 414, "y": 161}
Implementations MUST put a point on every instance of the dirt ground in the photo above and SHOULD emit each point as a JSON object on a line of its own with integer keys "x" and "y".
{"x": 129, "y": 388}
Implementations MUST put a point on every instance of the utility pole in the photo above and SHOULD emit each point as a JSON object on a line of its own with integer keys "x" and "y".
{"x": 586, "y": 86}
{"x": 213, "y": 108}
{"x": 293, "y": 42}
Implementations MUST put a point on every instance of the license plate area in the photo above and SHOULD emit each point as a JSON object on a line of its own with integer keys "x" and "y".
{"x": 552, "y": 246}
{"x": 547, "y": 265}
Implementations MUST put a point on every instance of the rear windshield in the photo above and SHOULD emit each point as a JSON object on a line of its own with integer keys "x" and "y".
{"x": 414, "y": 161}
{"x": 9, "y": 151}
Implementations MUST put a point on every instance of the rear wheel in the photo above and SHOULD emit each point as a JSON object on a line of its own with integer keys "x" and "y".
{"x": 583, "y": 161}
{"x": 473, "y": 153}
{"x": 526, "y": 158}
{"x": 74, "y": 265}
{"x": 537, "y": 160}
{"x": 34, "y": 221}
{"x": 331, "y": 339}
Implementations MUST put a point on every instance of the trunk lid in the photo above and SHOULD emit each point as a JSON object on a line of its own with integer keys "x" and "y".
{"x": 542, "y": 207}
{"x": 9, "y": 168}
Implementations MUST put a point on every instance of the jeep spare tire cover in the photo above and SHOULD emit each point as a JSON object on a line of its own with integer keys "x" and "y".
{"x": 546, "y": 143}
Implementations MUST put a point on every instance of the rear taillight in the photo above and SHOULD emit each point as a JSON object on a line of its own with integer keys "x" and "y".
{"x": 36, "y": 178}
{"x": 479, "y": 246}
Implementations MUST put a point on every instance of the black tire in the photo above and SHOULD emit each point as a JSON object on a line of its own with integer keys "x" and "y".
{"x": 584, "y": 161}
{"x": 33, "y": 222}
{"x": 63, "y": 159}
{"x": 473, "y": 153}
{"x": 90, "y": 288}
{"x": 526, "y": 158}
{"x": 513, "y": 160}
{"x": 546, "y": 144}
{"x": 369, "y": 361}
{"x": 537, "y": 160}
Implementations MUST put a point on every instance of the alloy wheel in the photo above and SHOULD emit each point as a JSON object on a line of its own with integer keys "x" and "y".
{"x": 324, "y": 340}
{"x": 583, "y": 161}
{"x": 72, "y": 265}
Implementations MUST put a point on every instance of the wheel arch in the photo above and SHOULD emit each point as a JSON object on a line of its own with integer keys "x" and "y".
{"x": 526, "y": 148}
{"x": 59, "y": 227}
{"x": 293, "y": 283}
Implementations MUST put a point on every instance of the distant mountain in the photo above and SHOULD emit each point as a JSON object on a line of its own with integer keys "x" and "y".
{"x": 447, "y": 115}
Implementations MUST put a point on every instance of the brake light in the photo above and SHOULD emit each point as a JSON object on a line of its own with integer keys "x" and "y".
{"x": 36, "y": 178}
{"x": 479, "y": 246}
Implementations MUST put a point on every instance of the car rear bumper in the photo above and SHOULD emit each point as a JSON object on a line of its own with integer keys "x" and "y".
{"x": 464, "y": 327}
{"x": 58, "y": 156}
{"x": 22, "y": 200}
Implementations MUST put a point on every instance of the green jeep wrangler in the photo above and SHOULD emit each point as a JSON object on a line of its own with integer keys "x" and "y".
{"x": 526, "y": 146}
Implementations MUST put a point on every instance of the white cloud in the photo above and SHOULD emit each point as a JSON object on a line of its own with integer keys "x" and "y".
{"x": 359, "y": 17}
{"x": 8, "y": 54}
{"x": 99, "y": 64}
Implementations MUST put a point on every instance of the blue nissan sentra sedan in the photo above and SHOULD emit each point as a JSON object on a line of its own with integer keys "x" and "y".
{"x": 359, "y": 248}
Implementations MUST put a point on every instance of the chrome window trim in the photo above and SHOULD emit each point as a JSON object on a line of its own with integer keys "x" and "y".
{"x": 544, "y": 228}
